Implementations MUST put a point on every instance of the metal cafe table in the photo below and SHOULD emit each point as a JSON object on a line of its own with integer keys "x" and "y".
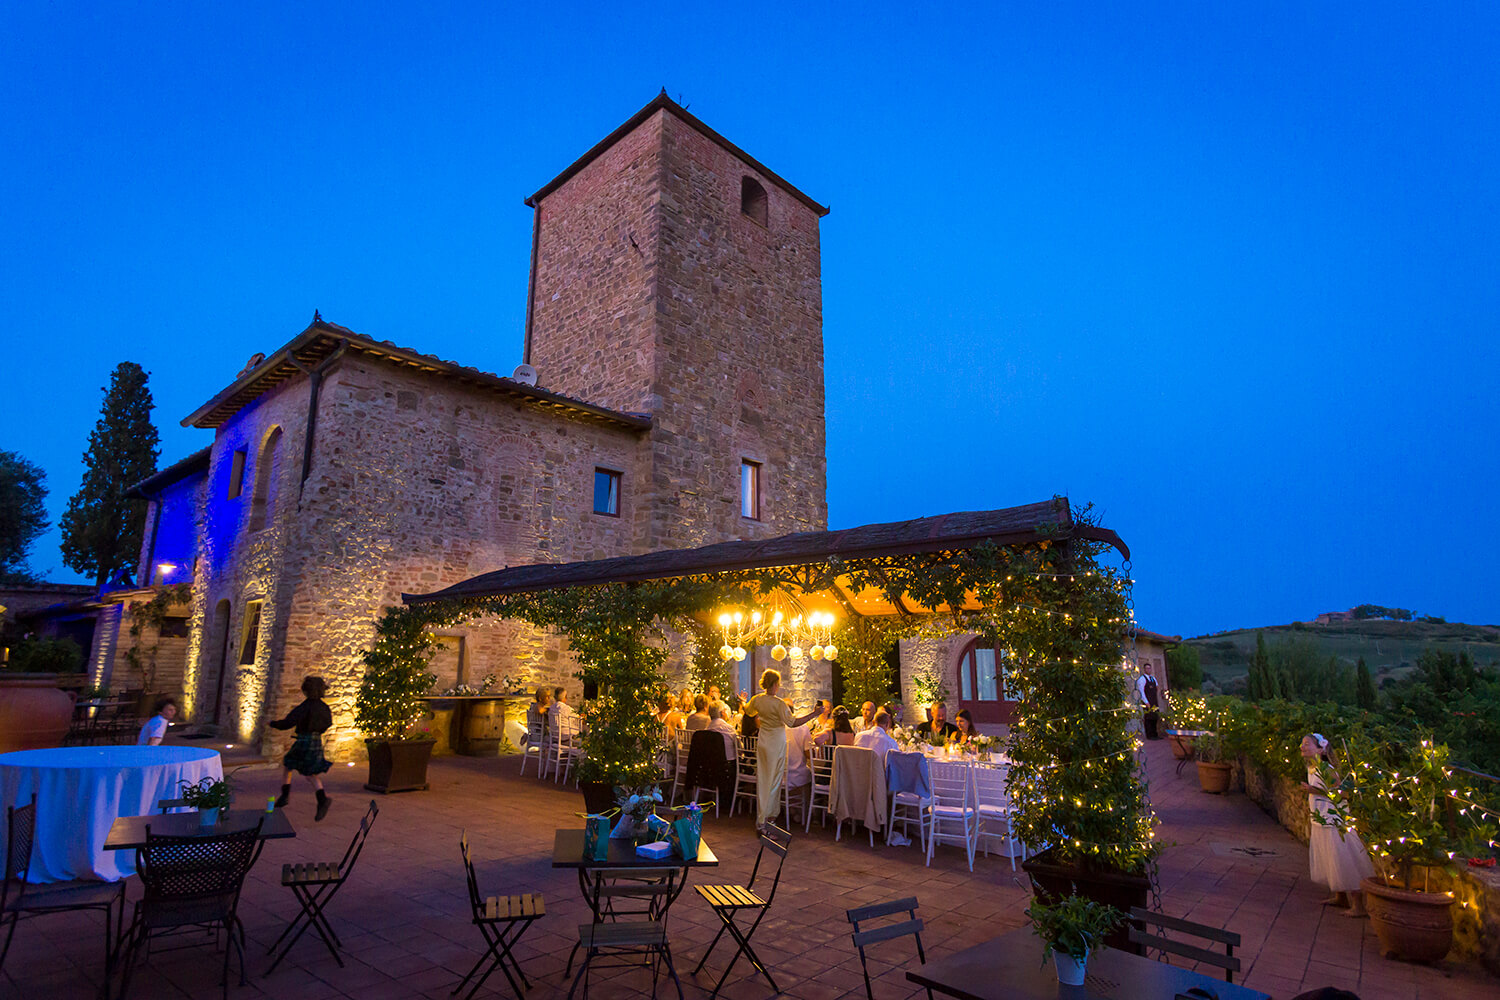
{"x": 129, "y": 832}
{"x": 1192, "y": 749}
{"x": 1010, "y": 967}
{"x": 567, "y": 852}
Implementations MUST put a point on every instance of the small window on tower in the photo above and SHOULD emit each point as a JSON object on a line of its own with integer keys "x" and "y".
{"x": 750, "y": 489}
{"x": 753, "y": 200}
{"x": 250, "y": 633}
{"x": 607, "y": 492}
{"x": 237, "y": 473}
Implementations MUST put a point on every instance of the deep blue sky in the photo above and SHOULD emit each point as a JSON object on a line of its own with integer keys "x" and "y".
{"x": 1230, "y": 275}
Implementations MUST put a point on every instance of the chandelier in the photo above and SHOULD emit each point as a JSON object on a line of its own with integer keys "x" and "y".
{"x": 786, "y": 626}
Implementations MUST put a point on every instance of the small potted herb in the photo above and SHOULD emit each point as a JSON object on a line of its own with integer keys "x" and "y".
{"x": 1070, "y": 929}
{"x": 1213, "y": 772}
{"x": 209, "y": 796}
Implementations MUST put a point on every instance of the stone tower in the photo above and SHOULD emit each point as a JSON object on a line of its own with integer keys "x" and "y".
{"x": 673, "y": 274}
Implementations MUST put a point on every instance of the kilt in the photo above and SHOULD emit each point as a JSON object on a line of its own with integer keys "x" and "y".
{"x": 306, "y": 755}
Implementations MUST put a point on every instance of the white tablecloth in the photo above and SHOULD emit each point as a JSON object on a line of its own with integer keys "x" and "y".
{"x": 80, "y": 791}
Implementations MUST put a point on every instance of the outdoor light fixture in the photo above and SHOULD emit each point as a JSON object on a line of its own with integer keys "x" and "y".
{"x": 788, "y": 627}
{"x": 165, "y": 569}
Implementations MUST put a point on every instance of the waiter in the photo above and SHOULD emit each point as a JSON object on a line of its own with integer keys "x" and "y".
{"x": 1145, "y": 695}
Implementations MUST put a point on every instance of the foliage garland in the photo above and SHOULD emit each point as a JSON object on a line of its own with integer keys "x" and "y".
{"x": 151, "y": 614}
{"x": 1059, "y": 612}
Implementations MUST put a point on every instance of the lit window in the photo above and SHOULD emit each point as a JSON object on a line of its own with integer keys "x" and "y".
{"x": 750, "y": 489}
{"x": 607, "y": 492}
{"x": 753, "y": 200}
{"x": 237, "y": 473}
{"x": 250, "y": 636}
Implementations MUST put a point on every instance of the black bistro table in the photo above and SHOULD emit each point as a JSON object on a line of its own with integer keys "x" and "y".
{"x": 1010, "y": 967}
{"x": 129, "y": 832}
{"x": 567, "y": 852}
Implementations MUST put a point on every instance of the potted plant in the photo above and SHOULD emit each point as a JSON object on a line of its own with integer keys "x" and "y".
{"x": 389, "y": 703}
{"x": 1213, "y": 771}
{"x": 1073, "y": 777}
{"x": 1070, "y": 929}
{"x": 209, "y": 796}
{"x": 1402, "y": 816}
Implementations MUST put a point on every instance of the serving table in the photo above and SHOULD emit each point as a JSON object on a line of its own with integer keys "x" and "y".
{"x": 80, "y": 791}
{"x": 1010, "y": 967}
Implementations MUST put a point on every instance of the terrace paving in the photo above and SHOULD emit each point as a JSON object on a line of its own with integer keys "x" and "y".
{"x": 403, "y": 916}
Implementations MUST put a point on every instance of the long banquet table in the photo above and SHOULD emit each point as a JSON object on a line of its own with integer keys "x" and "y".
{"x": 81, "y": 791}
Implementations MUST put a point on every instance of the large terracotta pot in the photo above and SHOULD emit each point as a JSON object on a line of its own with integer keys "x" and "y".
{"x": 1051, "y": 881}
{"x": 398, "y": 765}
{"x": 34, "y": 713}
{"x": 1182, "y": 747}
{"x": 1410, "y": 924}
{"x": 1213, "y": 777}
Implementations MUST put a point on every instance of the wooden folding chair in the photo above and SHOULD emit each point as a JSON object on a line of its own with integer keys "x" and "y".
{"x": 1141, "y": 920}
{"x": 314, "y": 885}
{"x": 729, "y": 901}
{"x": 652, "y": 891}
{"x": 863, "y": 938}
{"x": 501, "y": 920}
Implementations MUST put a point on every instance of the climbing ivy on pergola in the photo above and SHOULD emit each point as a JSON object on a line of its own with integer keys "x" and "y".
{"x": 1058, "y": 611}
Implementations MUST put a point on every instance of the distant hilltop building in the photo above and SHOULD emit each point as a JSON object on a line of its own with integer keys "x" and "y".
{"x": 1329, "y": 617}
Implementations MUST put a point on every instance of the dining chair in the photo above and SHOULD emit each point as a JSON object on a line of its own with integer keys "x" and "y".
{"x": 952, "y": 818}
{"x": 1140, "y": 932}
{"x": 820, "y": 760}
{"x": 192, "y": 882}
{"x": 501, "y": 920}
{"x": 314, "y": 886}
{"x": 867, "y": 936}
{"x": 565, "y": 748}
{"x": 706, "y": 767}
{"x": 745, "y": 784}
{"x": 728, "y": 902}
{"x": 609, "y": 943}
{"x": 992, "y": 802}
{"x": 20, "y": 899}
{"x": 536, "y": 737}
{"x": 908, "y": 780}
{"x": 682, "y": 748}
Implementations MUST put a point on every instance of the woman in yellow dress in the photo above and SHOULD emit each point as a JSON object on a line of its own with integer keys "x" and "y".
{"x": 774, "y": 718}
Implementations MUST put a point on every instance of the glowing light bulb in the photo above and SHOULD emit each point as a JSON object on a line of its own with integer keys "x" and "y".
{"x": 739, "y": 652}
{"x": 724, "y": 619}
{"x": 778, "y": 652}
{"x": 755, "y": 618}
{"x": 738, "y": 617}
{"x": 796, "y": 651}
{"x": 726, "y": 653}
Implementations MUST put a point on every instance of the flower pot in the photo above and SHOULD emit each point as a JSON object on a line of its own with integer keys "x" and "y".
{"x": 1070, "y": 970}
{"x": 1182, "y": 747}
{"x": 34, "y": 713}
{"x": 1051, "y": 881}
{"x": 1213, "y": 777}
{"x": 1410, "y": 924}
{"x": 208, "y": 817}
{"x": 398, "y": 765}
{"x": 598, "y": 796}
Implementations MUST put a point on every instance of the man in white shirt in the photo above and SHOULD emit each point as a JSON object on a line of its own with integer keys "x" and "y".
{"x": 718, "y": 724}
{"x": 866, "y": 717}
{"x": 878, "y": 736}
{"x": 1145, "y": 696}
{"x": 156, "y": 726}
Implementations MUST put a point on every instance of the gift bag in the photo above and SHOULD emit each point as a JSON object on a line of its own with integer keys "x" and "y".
{"x": 657, "y": 827}
{"x": 596, "y": 837}
{"x": 687, "y": 831}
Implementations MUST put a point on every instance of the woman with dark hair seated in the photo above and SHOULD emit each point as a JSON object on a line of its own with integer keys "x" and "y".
{"x": 841, "y": 733}
{"x": 965, "y": 723}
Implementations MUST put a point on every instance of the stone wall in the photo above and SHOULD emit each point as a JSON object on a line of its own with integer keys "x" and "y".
{"x": 1476, "y": 908}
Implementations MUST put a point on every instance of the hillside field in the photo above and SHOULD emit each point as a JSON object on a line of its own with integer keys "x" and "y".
{"x": 1389, "y": 648}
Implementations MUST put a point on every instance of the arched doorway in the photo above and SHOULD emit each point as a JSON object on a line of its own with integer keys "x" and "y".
{"x": 982, "y": 687}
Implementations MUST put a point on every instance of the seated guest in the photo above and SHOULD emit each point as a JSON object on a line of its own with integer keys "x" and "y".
{"x": 156, "y": 726}
{"x": 866, "y": 717}
{"x": 537, "y": 710}
{"x": 965, "y": 723}
{"x": 666, "y": 716}
{"x": 937, "y": 726}
{"x": 825, "y": 716}
{"x": 749, "y": 726}
{"x": 713, "y": 694}
{"x": 878, "y": 737}
{"x": 699, "y": 719}
{"x": 896, "y": 711}
{"x": 841, "y": 733}
{"x": 718, "y": 724}
{"x": 685, "y": 702}
{"x": 560, "y": 715}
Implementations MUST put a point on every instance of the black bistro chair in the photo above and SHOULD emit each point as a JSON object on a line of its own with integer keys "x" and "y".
{"x": 1148, "y": 929}
{"x": 191, "y": 883}
{"x": 314, "y": 884}
{"x": 866, "y": 936}
{"x": 730, "y": 901}
{"x": 18, "y": 899}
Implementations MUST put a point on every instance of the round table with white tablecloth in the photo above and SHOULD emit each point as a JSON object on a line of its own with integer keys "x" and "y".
{"x": 80, "y": 791}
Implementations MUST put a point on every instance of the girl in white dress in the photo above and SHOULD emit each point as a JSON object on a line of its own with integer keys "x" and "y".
{"x": 1337, "y": 859}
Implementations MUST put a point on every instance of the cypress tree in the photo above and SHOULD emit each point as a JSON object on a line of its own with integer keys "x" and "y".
{"x": 101, "y": 529}
{"x": 1364, "y": 687}
{"x": 1260, "y": 671}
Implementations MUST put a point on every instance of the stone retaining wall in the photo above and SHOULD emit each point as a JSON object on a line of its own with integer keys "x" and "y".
{"x": 1476, "y": 913}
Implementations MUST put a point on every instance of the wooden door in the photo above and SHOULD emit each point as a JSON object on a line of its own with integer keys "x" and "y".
{"x": 981, "y": 684}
